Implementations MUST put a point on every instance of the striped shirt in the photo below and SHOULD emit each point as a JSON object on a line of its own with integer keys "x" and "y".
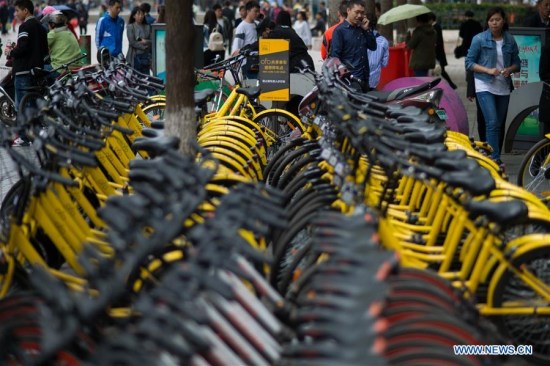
{"x": 378, "y": 59}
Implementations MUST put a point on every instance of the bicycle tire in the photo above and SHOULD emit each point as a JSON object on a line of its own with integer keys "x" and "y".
{"x": 155, "y": 111}
{"x": 530, "y": 165}
{"x": 40, "y": 241}
{"x": 7, "y": 206}
{"x": 282, "y": 117}
{"x": 297, "y": 183}
{"x": 28, "y": 101}
{"x": 288, "y": 160}
{"x": 398, "y": 285}
{"x": 279, "y": 154}
{"x": 525, "y": 329}
{"x": 289, "y": 205}
{"x": 8, "y": 113}
{"x": 287, "y": 273}
{"x": 280, "y": 248}
{"x": 307, "y": 214}
{"x": 295, "y": 169}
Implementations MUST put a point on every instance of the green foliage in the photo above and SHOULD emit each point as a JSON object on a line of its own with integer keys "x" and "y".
{"x": 450, "y": 15}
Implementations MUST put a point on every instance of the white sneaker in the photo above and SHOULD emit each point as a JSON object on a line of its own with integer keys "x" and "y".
{"x": 20, "y": 142}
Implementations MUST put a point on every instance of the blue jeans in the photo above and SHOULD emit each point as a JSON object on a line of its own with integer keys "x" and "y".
{"x": 22, "y": 82}
{"x": 494, "y": 108}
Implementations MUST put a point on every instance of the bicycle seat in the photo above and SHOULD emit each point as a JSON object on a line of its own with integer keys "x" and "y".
{"x": 477, "y": 182}
{"x": 381, "y": 96}
{"x": 425, "y": 137}
{"x": 251, "y": 93}
{"x": 503, "y": 213}
{"x": 157, "y": 145}
{"x": 202, "y": 96}
{"x": 456, "y": 164}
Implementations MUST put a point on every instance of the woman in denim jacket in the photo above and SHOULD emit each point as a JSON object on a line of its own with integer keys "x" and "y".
{"x": 493, "y": 57}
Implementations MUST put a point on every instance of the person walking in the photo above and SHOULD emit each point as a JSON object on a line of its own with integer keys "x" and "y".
{"x": 494, "y": 57}
{"x": 146, "y": 8}
{"x": 246, "y": 34}
{"x": 351, "y": 41}
{"x": 28, "y": 53}
{"x": 229, "y": 13}
{"x": 301, "y": 26}
{"x": 212, "y": 51}
{"x": 422, "y": 42}
{"x": 468, "y": 29}
{"x": 225, "y": 27}
{"x": 110, "y": 28}
{"x": 298, "y": 51}
{"x": 4, "y": 15}
{"x": 541, "y": 18}
{"x": 544, "y": 74}
{"x": 320, "y": 25}
{"x": 161, "y": 14}
{"x": 139, "y": 41}
{"x": 440, "y": 55}
{"x": 327, "y": 36}
{"x": 380, "y": 57}
{"x": 82, "y": 10}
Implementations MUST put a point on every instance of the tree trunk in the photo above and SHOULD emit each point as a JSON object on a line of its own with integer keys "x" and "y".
{"x": 386, "y": 30}
{"x": 333, "y": 11}
{"x": 180, "y": 45}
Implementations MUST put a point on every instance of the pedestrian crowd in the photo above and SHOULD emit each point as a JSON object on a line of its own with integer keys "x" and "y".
{"x": 47, "y": 39}
{"x": 490, "y": 51}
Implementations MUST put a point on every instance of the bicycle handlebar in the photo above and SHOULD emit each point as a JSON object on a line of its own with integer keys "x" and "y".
{"x": 32, "y": 168}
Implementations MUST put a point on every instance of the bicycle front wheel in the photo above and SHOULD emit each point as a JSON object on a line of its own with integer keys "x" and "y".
{"x": 155, "y": 111}
{"x": 512, "y": 292}
{"x": 29, "y": 100}
{"x": 534, "y": 171}
{"x": 280, "y": 124}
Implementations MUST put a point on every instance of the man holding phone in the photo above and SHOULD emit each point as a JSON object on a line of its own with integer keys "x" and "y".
{"x": 350, "y": 42}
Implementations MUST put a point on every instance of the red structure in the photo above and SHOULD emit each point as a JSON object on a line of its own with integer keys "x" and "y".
{"x": 398, "y": 65}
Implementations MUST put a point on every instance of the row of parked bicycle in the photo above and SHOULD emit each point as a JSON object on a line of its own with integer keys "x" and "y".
{"x": 135, "y": 253}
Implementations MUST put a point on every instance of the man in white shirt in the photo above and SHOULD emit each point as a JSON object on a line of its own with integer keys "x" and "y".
{"x": 246, "y": 34}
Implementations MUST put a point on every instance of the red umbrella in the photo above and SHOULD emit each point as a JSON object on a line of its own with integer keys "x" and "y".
{"x": 457, "y": 118}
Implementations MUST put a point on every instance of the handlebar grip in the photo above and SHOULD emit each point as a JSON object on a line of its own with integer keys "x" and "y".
{"x": 78, "y": 157}
{"x": 123, "y": 130}
{"x": 154, "y": 79}
{"x": 125, "y": 106}
{"x": 155, "y": 85}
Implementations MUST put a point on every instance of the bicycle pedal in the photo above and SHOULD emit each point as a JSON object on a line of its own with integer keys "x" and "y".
{"x": 417, "y": 239}
{"x": 412, "y": 218}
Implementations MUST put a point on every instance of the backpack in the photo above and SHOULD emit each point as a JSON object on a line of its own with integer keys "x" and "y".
{"x": 215, "y": 41}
